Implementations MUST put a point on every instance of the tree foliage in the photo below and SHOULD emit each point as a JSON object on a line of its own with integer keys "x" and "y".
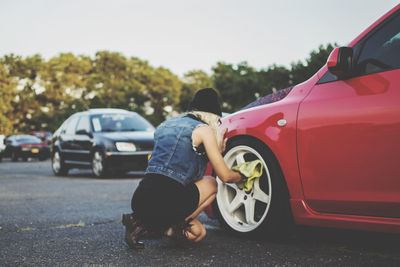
{"x": 192, "y": 81}
{"x": 38, "y": 94}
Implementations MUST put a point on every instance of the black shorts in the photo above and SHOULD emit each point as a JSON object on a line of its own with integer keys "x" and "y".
{"x": 160, "y": 201}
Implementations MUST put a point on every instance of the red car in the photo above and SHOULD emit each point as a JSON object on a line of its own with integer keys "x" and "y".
{"x": 330, "y": 147}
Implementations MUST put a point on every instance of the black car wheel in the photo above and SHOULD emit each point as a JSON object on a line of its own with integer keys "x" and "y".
{"x": 98, "y": 167}
{"x": 14, "y": 156}
{"x": 58, "y": 165}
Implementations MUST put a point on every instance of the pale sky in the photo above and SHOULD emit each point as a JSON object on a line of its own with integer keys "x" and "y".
{"x": 183, "y": 35}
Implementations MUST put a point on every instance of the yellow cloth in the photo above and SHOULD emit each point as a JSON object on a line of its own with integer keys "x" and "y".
{"x": 252, "y": 170}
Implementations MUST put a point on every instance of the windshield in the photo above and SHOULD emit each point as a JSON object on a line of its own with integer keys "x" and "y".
{"x": 120, "y": 123}
{"x": 271, "y": 98}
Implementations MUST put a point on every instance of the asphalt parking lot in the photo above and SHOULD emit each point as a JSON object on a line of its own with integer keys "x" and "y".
{"x": 76, "y": 221}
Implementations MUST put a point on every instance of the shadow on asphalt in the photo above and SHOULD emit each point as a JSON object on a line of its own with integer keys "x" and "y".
{"x": 76, "y": 173}
{"x": 345, "y": 240}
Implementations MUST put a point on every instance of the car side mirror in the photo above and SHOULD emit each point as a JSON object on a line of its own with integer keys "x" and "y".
{"x": 340, "y": 61}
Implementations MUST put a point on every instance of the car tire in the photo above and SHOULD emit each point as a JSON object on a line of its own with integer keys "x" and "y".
{"x": 58, "y": 165}
{"x": 14, "y": 156}
{"x": 120, "y": 173}
{"x": 265, "y": 210}
{"x": 99, "y": 169}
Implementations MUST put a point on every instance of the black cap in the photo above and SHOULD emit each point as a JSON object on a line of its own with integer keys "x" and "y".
{"x": 207, "y": 100}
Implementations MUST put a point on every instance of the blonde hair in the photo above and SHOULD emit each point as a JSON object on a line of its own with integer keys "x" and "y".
{"x": 212, "y": 120}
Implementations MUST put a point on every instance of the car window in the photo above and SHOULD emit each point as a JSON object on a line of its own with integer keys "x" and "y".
{"x": 381, "y": 51}
{"x": 28, "y": 139}
{"x": 71, "y": 125}
{"x": 120, "y": 122}
{"x": 83, "y": 124}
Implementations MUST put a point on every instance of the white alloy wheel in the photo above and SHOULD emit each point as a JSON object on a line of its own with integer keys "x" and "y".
{"x": 97, "y": 164}
{"x": 244, "y": 212}
{"x": 58, "y": 165}
{"x": 56, "y": 162}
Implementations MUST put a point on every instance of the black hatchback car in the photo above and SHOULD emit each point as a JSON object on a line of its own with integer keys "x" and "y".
{"x": 105, "y": 140}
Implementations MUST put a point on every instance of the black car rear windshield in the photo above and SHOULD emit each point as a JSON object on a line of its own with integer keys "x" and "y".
{"x": 28, "y": 139}
{"x": 120, "y": 123}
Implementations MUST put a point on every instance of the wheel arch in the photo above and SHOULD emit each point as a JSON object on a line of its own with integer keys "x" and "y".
{"x": 54, "y": 149}
{"x": 283, "y": 149}
{"x": 98, "y": 146}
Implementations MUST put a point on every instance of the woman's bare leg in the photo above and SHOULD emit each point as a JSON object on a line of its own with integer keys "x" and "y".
{"x": 207, "y": 187}
{"x": 207, "y": 191}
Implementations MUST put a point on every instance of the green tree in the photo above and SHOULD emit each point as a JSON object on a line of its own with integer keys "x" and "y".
{"x": 36, "y": 94}
{"x": 63, "y": 89}
{"x": 7, "y": 95}
{"x": 237, "y": 84}
{"x": 273, "y": 78}
{"x": 162, "y": 90}
{"x": 241, "y": 84}
{"x": 25, "y": 74}
{"x": 133, "y": 84}
{"x": 109, "y": 79}
{"x": 301, "y": 72}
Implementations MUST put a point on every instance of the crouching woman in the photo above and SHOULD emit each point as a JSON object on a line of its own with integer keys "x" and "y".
{"x": 174, "y": 190}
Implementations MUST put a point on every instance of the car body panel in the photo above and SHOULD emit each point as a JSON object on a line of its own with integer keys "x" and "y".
{"x": 281, "y": 140}
{"x": 354, "y": 167}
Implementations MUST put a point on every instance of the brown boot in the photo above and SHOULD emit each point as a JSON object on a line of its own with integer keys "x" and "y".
{"x": 134, "y": 231}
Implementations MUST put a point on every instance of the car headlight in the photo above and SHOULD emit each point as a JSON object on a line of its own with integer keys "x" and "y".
{"x": 125, "y": 147}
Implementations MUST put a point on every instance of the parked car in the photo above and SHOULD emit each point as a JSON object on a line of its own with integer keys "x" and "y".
{"x": 104, "y": 140}
{"x": 2, "y": 145}
{"x": 330, "y": 147}
{"x": 25, "y": 146}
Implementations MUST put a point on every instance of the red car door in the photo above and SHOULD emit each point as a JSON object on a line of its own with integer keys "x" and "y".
{"x": 349, "y": 132}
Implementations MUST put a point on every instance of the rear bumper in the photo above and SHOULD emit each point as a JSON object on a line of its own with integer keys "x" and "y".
{"x": 35, "y": 153}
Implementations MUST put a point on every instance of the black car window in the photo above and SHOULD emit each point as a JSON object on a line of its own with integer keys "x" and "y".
{"x": 120, "y": 122}
{"x": 381, "y": 51}
{"x": 71, "y": 125}
{"x": 83, "y": 124}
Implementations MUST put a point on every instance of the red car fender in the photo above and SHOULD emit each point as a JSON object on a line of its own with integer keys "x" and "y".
{"x": 281, "y": 140}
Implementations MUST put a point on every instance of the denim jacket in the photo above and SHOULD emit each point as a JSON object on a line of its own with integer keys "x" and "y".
{"x": 173, "y": 154}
